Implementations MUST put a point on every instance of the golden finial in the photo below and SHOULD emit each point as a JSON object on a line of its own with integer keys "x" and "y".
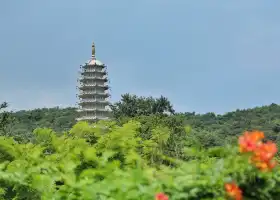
{"x": 93, "y": 50}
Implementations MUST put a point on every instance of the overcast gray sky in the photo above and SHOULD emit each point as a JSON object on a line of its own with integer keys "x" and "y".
{"x": 203, "y": 55}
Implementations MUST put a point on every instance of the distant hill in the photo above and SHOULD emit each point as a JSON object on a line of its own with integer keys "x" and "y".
{"x": 59, "y": 119}
{"x": 265, "y": 118}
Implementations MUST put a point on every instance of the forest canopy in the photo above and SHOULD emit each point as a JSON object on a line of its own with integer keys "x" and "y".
{"x": 146, "y": 151}
{"x": 208, "y": 127}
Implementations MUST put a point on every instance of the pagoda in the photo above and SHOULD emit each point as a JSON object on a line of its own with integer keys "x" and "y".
{"x": 93, "y": 92}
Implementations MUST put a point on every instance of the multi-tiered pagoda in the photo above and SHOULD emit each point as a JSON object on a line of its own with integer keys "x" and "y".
{"x": 93, "y": 90}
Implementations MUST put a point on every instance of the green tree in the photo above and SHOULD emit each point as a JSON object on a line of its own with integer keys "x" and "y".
{"x": 6, "y": 119}
{"x": 276, "y": 126}
{"x": 132, "y": 106}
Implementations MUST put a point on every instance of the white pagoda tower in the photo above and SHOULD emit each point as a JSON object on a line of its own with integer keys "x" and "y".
{"x": 93, "y": 91}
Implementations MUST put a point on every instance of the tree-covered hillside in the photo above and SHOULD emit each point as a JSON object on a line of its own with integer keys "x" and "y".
{"x": 146, "y": 151}
{"x": 57, "y": 118}
{"x": 212, "y": 129}
{"x": 265, "y": 118}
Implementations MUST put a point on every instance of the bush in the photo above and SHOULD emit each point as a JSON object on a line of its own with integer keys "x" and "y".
{"x": 117, "y": 162}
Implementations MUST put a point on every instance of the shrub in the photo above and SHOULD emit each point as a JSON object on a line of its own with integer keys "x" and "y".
{"x": 116, "y": 162}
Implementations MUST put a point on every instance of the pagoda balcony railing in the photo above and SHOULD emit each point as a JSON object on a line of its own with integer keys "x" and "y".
{"x": 94, "y": 100}
{"x": 92, "y": 118}
{"x": 93, "y": 92}
{"x": 93, "y": 84}
{"x": 93, "y": 70}
{"x": 93, "y": 109}
{"x": 93, "y": 77}
{"x": 87, "y": 64}
{"x": 86, "y": 118}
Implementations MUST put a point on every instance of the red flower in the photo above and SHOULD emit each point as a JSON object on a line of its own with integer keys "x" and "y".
{"x": 262, "y": 153}
{"x": 250, "y": 140}
{"x": 263, "y": 156}
{"x": 233, "y": 191}
{"x": 161, "y": 196}
{"x": 266, "y": 151}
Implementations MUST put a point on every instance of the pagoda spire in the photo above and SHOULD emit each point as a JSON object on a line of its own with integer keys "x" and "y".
{"x": 93, "y": 50}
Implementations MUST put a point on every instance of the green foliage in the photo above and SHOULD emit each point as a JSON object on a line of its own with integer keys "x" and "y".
{"x": 5, "y": 119}
{"x": 44, "y": 154}
{"x": 224, "y": 128}
{"x": 110, "y": 161}
{"x": 21, "y": 124}
{"x": 132, "y": 106}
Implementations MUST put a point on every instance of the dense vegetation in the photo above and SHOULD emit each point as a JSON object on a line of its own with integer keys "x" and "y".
{"x": 147, "y": 149}
{"x": 212, "y": 129}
